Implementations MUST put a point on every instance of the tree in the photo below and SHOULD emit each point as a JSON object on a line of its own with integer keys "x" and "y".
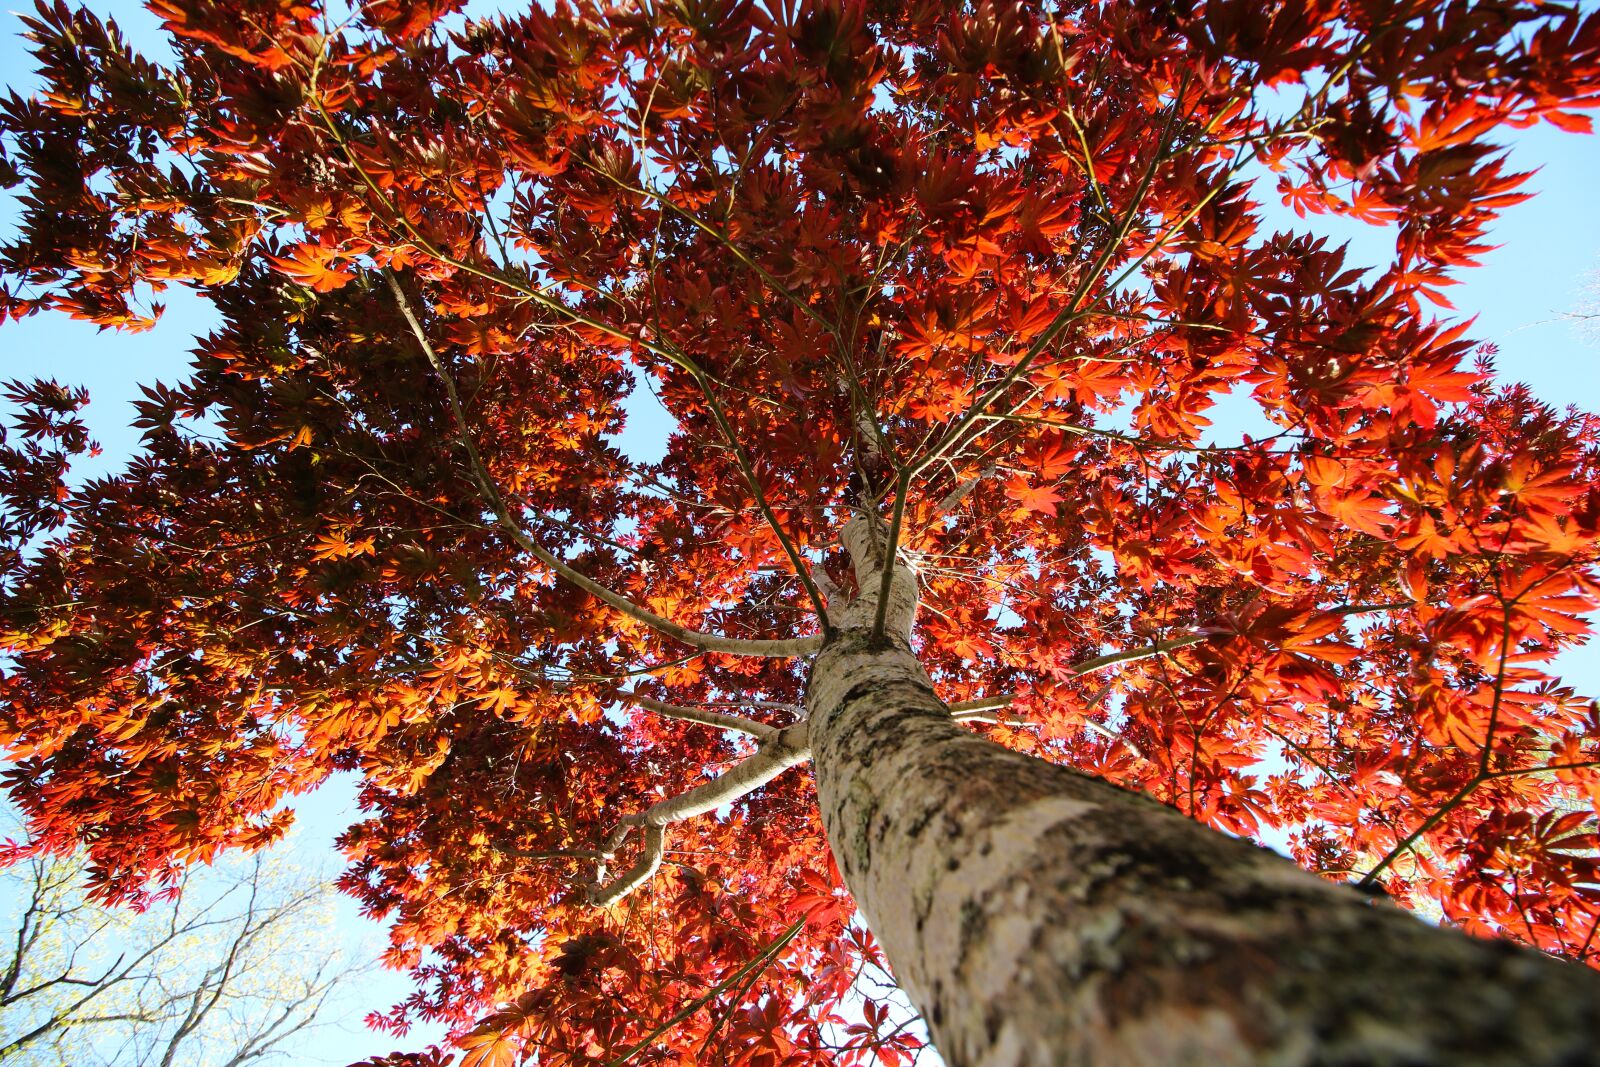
{"x": 1587, "y": 313}
{"x": 225, "y": 972}
{"x": 937, "y": 298}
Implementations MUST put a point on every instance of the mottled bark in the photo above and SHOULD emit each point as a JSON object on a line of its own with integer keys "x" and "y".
{"x": 1036, "y": 916}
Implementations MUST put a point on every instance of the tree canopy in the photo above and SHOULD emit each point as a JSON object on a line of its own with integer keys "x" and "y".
{"x": 979, "y": 270}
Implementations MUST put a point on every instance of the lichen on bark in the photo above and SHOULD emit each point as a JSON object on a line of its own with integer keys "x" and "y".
{"x": 1038, "y": 916}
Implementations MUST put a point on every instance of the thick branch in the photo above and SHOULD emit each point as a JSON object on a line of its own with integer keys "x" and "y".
{"x": 790, "y": 747}
{"x": 983, "y": 709}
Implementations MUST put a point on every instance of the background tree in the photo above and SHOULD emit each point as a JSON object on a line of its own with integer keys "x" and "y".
{"x": 237, "y": 962}
{"x": 1586, "y": 316}
{"x": 938, "y": 298}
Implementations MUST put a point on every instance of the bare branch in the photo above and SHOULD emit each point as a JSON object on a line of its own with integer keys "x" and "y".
{"x": 201, "y": 970}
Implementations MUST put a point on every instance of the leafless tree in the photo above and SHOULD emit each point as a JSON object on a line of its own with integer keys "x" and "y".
{"x": 240, "y": 961}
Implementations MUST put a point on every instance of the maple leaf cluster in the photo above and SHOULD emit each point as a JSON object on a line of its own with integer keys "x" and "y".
{"x": 984, "y": 267}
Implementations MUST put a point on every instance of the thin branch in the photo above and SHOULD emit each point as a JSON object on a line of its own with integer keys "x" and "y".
{"x": 1586, "y": 765}
{"x": 574, "y": 317}
{"x": 1133, "y": 655}
{"x": 802, "y": 569}
{"x": 719, "y": 720}
{"x": 1069, "y": 313}
{"x": 590, "y": 854}
{"x": 761, "y": 959}
{"x": 886, "y": 582}
{"x": 1404, "y": 845}
{"x": 970, "y": 709}
{"x": 1450, "y": 805}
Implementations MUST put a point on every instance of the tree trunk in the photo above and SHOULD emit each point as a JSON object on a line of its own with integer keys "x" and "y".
{"x": 1037, "y": 916}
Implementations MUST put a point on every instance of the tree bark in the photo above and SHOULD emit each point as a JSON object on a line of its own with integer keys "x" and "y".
{"x": 1037, "y": 916}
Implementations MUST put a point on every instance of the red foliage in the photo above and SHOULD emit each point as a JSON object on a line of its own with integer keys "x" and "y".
{"x": 980, "y": 267}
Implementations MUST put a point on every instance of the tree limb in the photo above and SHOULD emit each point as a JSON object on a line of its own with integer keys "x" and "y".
{"x": 790, "y": 747}
{"x": 953, "y": 499}
{"x": 719, "y": 720}
{"x": 1132, "y": 655}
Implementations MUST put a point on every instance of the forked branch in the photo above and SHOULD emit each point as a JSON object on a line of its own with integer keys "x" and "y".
{"x": 791, "y": 746}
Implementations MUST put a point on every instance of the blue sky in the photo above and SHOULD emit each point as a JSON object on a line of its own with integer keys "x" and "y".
{"x": 1550, "y": 255}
